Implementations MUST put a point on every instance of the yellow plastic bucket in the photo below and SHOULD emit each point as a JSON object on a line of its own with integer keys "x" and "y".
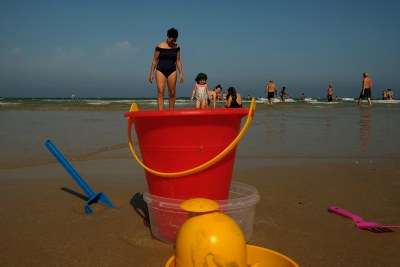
{"x": 258, "y": 257}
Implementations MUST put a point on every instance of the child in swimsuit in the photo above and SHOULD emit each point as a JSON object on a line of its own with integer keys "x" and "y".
{"x": 200, "y": 90}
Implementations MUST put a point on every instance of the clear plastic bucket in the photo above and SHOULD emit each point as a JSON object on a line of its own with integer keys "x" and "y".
{"x": 166, "y": 216}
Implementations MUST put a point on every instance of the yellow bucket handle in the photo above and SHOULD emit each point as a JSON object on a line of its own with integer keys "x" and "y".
{"x": 209, "y": 163}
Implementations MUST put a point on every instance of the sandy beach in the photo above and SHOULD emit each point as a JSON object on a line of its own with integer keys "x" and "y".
{"x": 325, "y": 131}
{"x": 43, "y": 222}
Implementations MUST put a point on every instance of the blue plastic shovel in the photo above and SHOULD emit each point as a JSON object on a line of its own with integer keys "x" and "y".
{"x": 93, "y": 197}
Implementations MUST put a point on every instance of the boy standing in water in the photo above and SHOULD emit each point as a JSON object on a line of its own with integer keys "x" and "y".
{"x": 366, "y": 89}
{"x": 270, "y": 91}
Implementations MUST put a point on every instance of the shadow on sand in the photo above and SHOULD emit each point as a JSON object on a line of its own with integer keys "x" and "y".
{"x": 140, "y": 206}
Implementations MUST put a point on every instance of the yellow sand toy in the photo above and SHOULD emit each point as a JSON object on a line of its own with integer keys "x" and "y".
{"x": 211, "y": 238}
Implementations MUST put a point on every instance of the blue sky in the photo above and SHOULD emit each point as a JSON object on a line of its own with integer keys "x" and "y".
{"x": 105, "y": 48}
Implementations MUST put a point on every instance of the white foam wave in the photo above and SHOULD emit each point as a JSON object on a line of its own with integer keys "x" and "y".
{"x": 5, "y": 104}
{"x": 393, "y": 101}
{"x": 98, "y": 102}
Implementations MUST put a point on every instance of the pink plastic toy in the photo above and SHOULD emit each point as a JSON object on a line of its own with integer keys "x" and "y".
{"x": 360, "y": 223}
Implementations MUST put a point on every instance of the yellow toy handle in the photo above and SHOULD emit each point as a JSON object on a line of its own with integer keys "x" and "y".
{"x": 209, "y": 163}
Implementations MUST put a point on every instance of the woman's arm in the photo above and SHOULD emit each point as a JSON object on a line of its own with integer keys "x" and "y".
{"x": 212, "y": 95}
{"x": 228, "y": 101}
{"x": 214, "y": 98}
{"x": 238, "y": 98}
{"x": 193, "y": 92}
{"x": 179, "y": 65}
{"x": 153, "y": 66}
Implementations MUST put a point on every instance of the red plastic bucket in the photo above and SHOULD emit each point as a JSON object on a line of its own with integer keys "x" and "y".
{"x": 172, "y": 141}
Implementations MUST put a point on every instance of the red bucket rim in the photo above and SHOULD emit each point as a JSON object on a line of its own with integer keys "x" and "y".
{"x": 188, "y": 112}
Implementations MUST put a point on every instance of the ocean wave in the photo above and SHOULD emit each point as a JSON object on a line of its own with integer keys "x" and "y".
{"x": 98, "y": 102}
{"x": 123, "y": 104}
{"x": 393, "y": 101}
{"x": 9, "y": 103}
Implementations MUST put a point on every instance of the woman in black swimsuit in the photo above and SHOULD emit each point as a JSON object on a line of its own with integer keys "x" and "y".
{"x": 233, "y": 99}
{"x": 167, "y": 57}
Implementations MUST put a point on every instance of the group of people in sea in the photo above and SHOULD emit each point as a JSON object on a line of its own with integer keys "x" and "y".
{"x": 167, "y": 62}
{"x": 388, "y": 94}
{"x": 270, "y": 92}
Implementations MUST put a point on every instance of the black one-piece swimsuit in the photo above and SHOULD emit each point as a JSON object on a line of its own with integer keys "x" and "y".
{"x": 167, "y": 60}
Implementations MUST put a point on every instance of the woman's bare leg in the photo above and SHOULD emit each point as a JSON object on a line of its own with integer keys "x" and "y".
{"x": 161, "y": 80}
{"x": 171, "y": 81}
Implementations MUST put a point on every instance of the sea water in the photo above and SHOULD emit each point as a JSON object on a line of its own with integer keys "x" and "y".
{"x": 86, "y": 129}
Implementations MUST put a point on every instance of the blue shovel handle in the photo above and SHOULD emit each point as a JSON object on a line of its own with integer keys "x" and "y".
{"x": 68, "y": 167}
{"x": 93, "y": 197}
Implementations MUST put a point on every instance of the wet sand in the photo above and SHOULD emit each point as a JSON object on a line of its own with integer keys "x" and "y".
{"x": 43, "y": 224}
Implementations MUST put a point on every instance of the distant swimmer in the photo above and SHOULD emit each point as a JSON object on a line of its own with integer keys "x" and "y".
{"x": 330, "y": 93}
{"x": 387, "y": 94}
{"x": 270, "y": 91}
{"x": 384, "y": 95}
{"x": 283, "y": 94}
{"x": 366, "y": 89}
{"x": 390, "y": 94}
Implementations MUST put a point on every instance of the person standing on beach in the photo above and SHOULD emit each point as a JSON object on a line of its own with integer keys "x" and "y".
{"x": 167, "y": 58}
{"x": 330, "y": 93}
{"x": 366, "y": 89}
{"x": 270, "y": 91}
